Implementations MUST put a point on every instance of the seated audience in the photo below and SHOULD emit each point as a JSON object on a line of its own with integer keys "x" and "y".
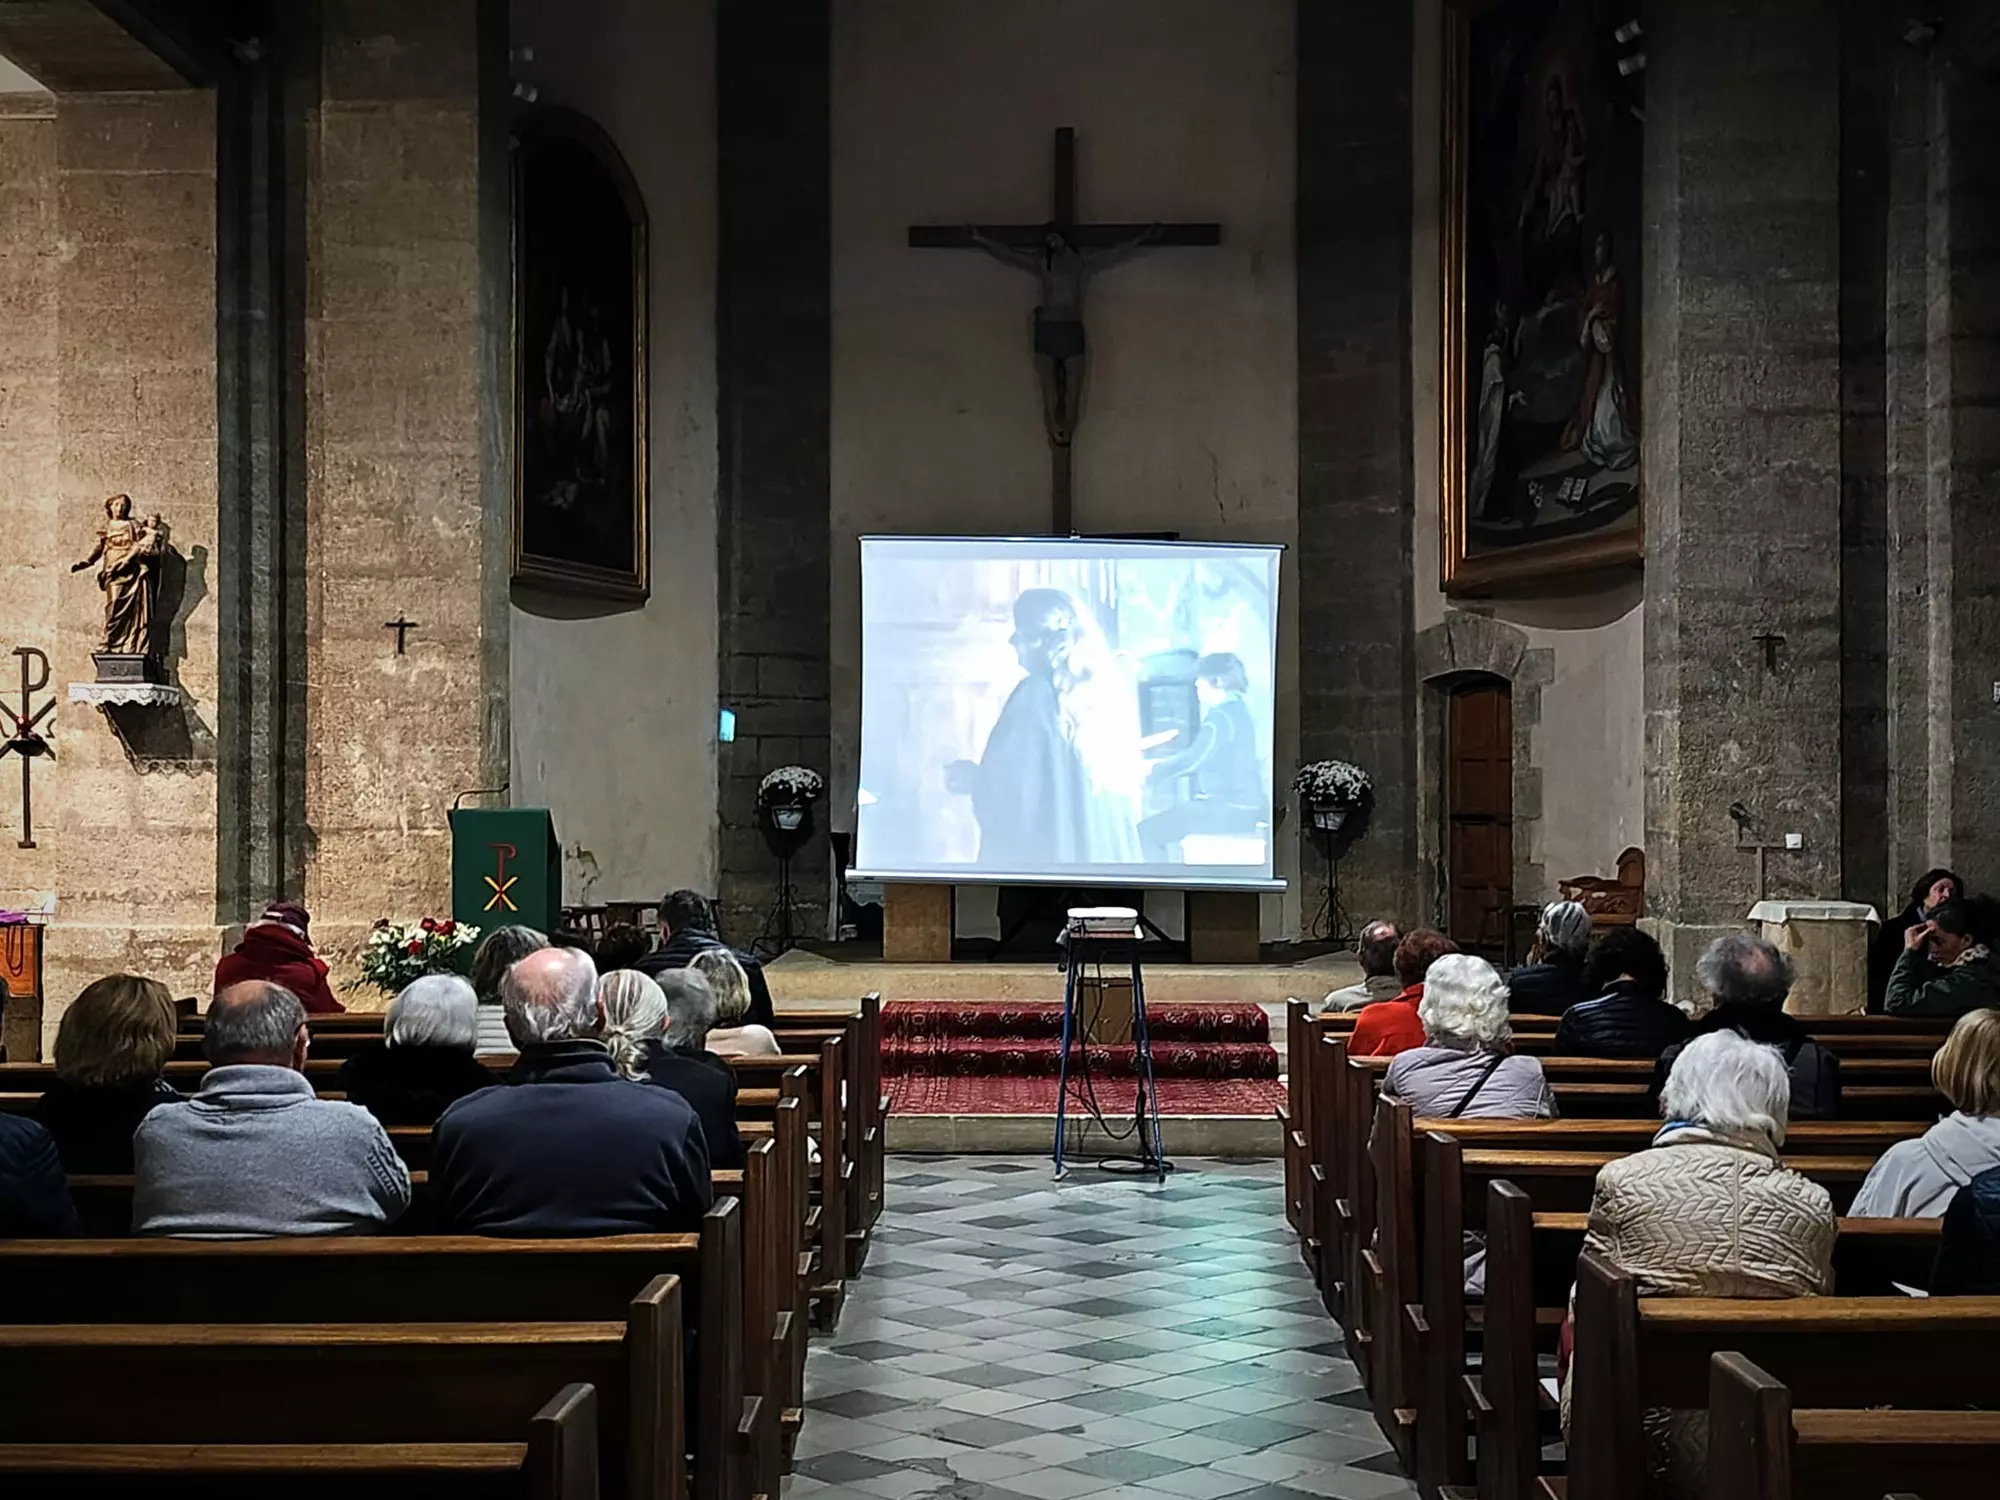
{"x": 498, "y": 952}
{"x": 1710, "y": 1211}
{"x": 635, "y": 1013}
{"x": 568, "y": 1147}
{"x": 254, "y": 1152}
{"x": 679, "y": 1059}
{"x": 1931, "y": 891}
{"x": 34, "y": 1197}
{"x": 1467, "y": 1068}
{"x": 1376, "y": 952}
{"x": 1917, "y": 1179}
{"x": 1552, "y": 979}
{"x": 1391, "y": 1026}
{"x": 731, "y": 1036}
{"x": 1632, "y": 1016}
{"x": 111, "y": 1050}
{"x": 1968, "y": 1257}
{"x": 425, "y": 1060}
{"x": 278, "y": 947}
{"x": 1746, "y": 980}
{"x": 1947, "y": 967}
{"x": 621, "y": 947}
{"x": 687, "y": 926}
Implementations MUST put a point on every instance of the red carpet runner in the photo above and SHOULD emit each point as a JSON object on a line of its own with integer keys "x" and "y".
{"x": 943, "y": 1057}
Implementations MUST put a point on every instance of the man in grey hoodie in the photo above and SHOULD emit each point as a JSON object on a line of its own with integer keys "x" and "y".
{"x": 254, "y": 1153}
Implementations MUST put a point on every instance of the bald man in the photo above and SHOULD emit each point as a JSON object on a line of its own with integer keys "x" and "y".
{"x": 255, "y": 1153}
{"x": 569, "y": 1148}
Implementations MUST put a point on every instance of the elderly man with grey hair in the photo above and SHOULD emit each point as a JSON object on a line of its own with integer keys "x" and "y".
{"x": 1552, "y": 979}
{"x": 680, "y": 1060}
{"x": 254, "y": 1153}
{"x": 425, "y": 1060}
{"x": 569, "y": 1148}
{"x": 1376, "y": 952}
{"x": 1746, "y": 981}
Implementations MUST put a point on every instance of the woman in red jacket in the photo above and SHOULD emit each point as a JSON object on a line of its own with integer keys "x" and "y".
{"x": 1391, "y": 1026}
{"x": 278, "y": 947}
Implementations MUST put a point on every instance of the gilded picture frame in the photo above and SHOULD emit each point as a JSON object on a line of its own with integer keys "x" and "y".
{"x": 579, "y": 346}
{"x": 1538, "y": 395}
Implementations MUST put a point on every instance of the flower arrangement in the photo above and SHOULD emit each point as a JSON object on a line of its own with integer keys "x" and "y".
{"x": 1335, "y": 783}
{"x": 789, "y": 786}
{"x": 397, "y": 954}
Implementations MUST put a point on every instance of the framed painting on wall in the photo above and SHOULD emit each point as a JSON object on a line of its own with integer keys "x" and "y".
{"x": 1539, "y": 396}
{"x": 580, "y": 480}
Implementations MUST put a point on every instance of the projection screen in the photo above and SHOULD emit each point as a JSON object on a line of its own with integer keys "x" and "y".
{"x": 1066, "y": 712}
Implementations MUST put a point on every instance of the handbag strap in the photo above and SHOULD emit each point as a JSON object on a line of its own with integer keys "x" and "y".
{"x": 1478, "y": 1084}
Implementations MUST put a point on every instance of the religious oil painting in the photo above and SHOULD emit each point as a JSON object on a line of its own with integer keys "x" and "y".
{"x": 580, "y": 502}
{"x": 1541, "y": 257}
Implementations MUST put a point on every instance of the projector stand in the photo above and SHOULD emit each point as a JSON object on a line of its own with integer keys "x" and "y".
{"x": 1092, "y": 951}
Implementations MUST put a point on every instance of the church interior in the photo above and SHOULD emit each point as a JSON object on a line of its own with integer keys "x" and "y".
{"x": 1254, "y": 744}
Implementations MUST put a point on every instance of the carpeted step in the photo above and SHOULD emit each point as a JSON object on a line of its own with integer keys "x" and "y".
{"x": 927, "y": 1094}
{"x": 1013, "y": 1058}
{"x": 1024, "y": 1020}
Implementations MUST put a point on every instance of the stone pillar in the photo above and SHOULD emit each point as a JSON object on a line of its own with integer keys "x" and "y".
{"x": 135, "y": 828}
{"x": 407, "y": 510}
{"x": 774, "y": 382}
{"x": 1356, "y": 627}
{"x": 1742, "y": 402}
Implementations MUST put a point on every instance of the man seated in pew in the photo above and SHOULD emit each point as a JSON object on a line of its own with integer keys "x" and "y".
{"x": 733, "y": 1034}
{"x": 1631, "y": 1016}
{"x": 1918, "y": 1179}
{"x": 1710, "y": 1210}
{"x": 424, "y": 1062}
{"x": 1552, "y": 979}
{"x": 646, "y": 1025}
{"x": 1932, "y": 890}
{"x": 255, "y": 1152}
{"x": 1467, "y": 1068}
{"x": 111, "y": 1052}
{"x": 34, "y": 1195}
{"x": 1392, "y": 1026}
{"x": 1947, "y": 967}
{"x": 1746, "y": 980}
{"x": 567, "y": 1148}
{"x": 1376, "y": 953}
{"x": 1968, "y": 1258}
{"x": 499, "y": 951}
{"x": 687, "y": 927}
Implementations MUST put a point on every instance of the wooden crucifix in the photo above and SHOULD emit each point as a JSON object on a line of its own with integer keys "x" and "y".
{"x": 1061, "y": 255}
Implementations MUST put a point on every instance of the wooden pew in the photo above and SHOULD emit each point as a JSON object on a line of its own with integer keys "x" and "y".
{"x": 1633, "y": 1353}
{"x": 197, "y": 1385}
{"x": 434, "y": 1280}
{"x": 557, "y": 1460}
{"x": 1763, "y": 1448}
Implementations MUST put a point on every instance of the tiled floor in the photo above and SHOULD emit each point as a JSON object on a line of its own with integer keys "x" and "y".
{"x": 1018, "y": 1337}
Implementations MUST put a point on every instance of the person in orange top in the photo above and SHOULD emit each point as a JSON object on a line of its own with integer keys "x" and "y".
{"x": 1391, "y": 1026}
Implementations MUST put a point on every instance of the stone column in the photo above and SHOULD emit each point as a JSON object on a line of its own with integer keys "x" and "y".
{"x": 135, "y": 362}
{"x": 407, "y": 505}
{"x": 774, "y": 384}
{"x": 1742, "y": 446}
{"x": 1356, "y": 624}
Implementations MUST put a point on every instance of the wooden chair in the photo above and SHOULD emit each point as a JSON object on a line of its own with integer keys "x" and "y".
{"x": 1617, "y": 902}
{"x": 556, "y": 1461}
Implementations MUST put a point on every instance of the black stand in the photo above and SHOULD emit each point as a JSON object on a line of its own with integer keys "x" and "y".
{"x": 779, "y": 934}
{"x": 1331, "y": 922}
{"x": 1092, "y": 951}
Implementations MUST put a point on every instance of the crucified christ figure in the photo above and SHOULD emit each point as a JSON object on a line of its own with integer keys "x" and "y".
{"x": 1060, "y": 268}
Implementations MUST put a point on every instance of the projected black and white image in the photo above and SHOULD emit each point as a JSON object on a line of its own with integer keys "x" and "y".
{"x": 1063, "y": 710}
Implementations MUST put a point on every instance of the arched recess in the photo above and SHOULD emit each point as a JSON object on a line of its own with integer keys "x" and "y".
{"x": 1466, "y": 650}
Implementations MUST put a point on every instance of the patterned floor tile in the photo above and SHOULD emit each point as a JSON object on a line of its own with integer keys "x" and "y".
{"x": 1101, "y": 1338}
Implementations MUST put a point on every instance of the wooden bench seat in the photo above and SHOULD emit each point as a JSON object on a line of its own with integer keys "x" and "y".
{"x": 557, "y": 1460}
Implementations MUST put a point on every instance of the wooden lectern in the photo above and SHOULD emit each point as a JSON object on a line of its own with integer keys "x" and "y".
{"x": 506, "y": 868}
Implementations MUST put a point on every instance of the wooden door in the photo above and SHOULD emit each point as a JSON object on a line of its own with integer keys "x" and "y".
{"x": 1479, "y": 808}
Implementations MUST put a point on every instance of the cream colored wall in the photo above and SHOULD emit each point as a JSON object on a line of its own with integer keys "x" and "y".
{"x": 614, "y": 708}
{"x": 944, "y": 112}
{"x": 1589, "y": 745}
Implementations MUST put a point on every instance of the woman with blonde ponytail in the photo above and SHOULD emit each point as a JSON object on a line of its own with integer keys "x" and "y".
{"x": 635, "y": 1013}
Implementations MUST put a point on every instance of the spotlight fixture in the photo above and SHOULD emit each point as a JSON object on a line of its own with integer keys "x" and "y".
{"x": 527, "y": 93}
{"x": 1636, "y": 63}
{"x": 1919, "y": 32}
{"x": 1628, "y": 33}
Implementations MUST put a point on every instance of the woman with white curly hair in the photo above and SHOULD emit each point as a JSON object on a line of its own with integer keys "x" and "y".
{"x": 1467, "y": 1068}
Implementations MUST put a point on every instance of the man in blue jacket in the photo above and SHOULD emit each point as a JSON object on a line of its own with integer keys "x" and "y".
{"x": 687, "y": 926}
{"x": 34, "y": 1195}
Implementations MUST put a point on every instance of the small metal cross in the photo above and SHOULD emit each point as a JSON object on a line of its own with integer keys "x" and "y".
{"x": 1770, "y": 641}
{"x": 402, "y": 627}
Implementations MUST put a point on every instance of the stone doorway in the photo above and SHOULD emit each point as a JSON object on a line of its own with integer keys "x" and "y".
{"x": 1479, "y": 815}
